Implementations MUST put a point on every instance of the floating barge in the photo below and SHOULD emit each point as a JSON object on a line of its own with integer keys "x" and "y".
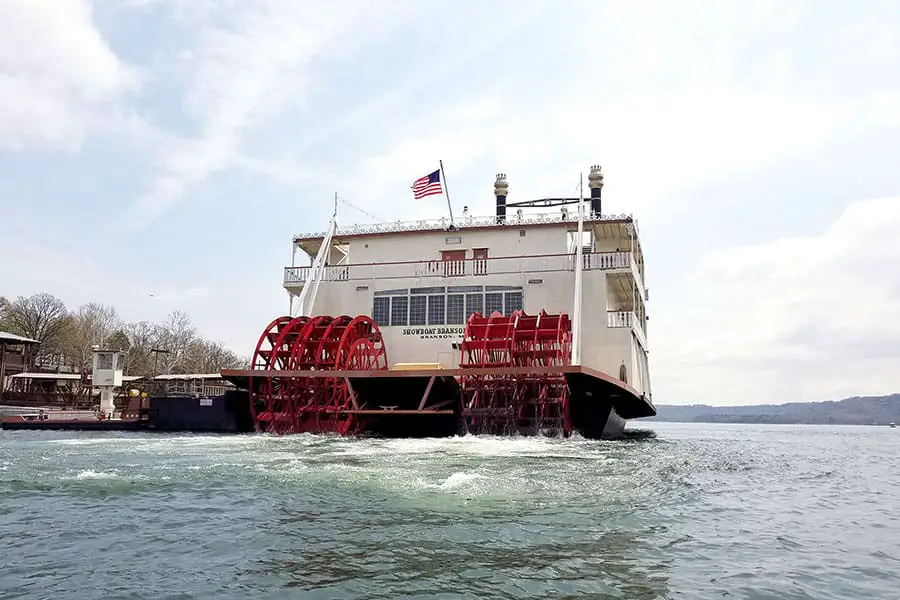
{"x": 475, "y": 314}
{"x": 200, "y": 402}
{"x": 42, "y": 420}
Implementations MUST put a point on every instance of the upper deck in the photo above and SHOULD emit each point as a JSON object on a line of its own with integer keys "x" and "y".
{"x": 475, "y": 247}
{"x": 614, "y": 228}
{"x": 308, "y": 241}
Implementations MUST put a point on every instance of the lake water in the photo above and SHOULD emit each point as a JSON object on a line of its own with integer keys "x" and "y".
{"x": 699, "y": 511}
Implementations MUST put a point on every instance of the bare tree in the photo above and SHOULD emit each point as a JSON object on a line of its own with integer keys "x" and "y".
{"x": 204, "y": 356}
{"x": 67, "y": 338}
{"x": 4, "y": 305}
{"x": 91, "y": 325}
{"x": 42, "y": 317}
{"x": 142, "y": 338}
{"x": 174, "y": 336}
{"x": 118, "y": 340}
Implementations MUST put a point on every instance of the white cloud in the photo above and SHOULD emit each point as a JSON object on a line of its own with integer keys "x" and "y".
{"x": 58, "y": 76}
{"x": 795, "y": 319}
{"x": 651, "y": 147}
{"x": 250, "y": 63}
{"x": 667, "y": 99}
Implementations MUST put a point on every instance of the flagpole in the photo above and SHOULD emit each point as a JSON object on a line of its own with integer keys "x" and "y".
{"x": 446, "y": 191}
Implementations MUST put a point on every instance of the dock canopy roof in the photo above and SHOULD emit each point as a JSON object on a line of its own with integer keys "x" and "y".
{"x": 65, "y": 376}
{"x": 11, "y": 338}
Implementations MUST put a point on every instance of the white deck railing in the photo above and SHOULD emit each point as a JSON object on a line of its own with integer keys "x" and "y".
{"x": 593, "y": 261}
{"x": 620, "y": 318}
{"x": 469, "y": 222}
{"x": 627, "y": 319}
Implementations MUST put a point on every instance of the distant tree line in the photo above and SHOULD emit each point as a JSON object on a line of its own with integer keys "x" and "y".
{"x": 859, "y": 410}
{"x": 172, "y": 346}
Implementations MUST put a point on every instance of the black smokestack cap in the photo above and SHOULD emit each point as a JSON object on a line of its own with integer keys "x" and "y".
{"x": 501, "y": 189}
{"x": 595, "y": 182}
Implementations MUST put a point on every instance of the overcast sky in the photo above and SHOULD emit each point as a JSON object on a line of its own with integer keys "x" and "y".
{"x": 173, "y": 147}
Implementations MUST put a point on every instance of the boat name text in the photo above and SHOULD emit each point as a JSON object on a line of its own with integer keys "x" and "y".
{"x": 434, "y": 332}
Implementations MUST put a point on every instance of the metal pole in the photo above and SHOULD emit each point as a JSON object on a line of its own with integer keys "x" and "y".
{"x": 3, "y": 368}
{"x": 446, "y": 191}
{"x": 156, "y": 352}
{"x": 579, "y": 258}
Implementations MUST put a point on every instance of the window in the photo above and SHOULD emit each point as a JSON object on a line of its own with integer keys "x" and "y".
{"x": 474, "y": 303}
{"x": 399, "y": 310}
{"x": 435, "y": 310}
{"x": 381, "y": 310}
{"x": 455, "y": 309}
{"x": 493, "y": 302}
{"x": 443, "y": 306}
{"x": 105, "y": 361}
{"x": 417, "y": 310}
{"x": 512, "y": 301}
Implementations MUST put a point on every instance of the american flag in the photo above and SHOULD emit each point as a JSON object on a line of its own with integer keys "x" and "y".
{"x": 427, "y": 186}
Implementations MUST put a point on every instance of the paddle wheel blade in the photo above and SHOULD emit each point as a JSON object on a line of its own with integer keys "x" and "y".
{"x": 527, "y": 404}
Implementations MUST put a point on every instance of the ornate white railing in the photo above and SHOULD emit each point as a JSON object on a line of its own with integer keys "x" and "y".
{"x": 593, "y": 261}
{"x": 620, "y": 318}
{"x": 627, "y": 319}
{"x": 469, "y": 222}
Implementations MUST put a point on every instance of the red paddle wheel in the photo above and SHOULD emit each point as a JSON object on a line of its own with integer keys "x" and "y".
{"x": 297, "y": 404}
{"x": 267, "y": 404}
{"x": 488, "y": 399}
{"x": 504, "y": 404}
{"x": 543, "y": 341}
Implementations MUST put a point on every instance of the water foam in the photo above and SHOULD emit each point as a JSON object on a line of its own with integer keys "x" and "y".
{"x": 91, "y": 474}
{"x": 460, "y": 479}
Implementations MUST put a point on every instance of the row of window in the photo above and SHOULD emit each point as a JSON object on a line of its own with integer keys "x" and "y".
{"x": 401, "y": 308}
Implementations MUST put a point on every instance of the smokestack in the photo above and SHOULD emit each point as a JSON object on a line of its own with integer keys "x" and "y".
{"x": 501, "y": 189}
{"x": 595, "y": 182}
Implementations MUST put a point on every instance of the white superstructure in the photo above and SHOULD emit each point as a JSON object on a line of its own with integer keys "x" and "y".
{"x": 421, "y": 280}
